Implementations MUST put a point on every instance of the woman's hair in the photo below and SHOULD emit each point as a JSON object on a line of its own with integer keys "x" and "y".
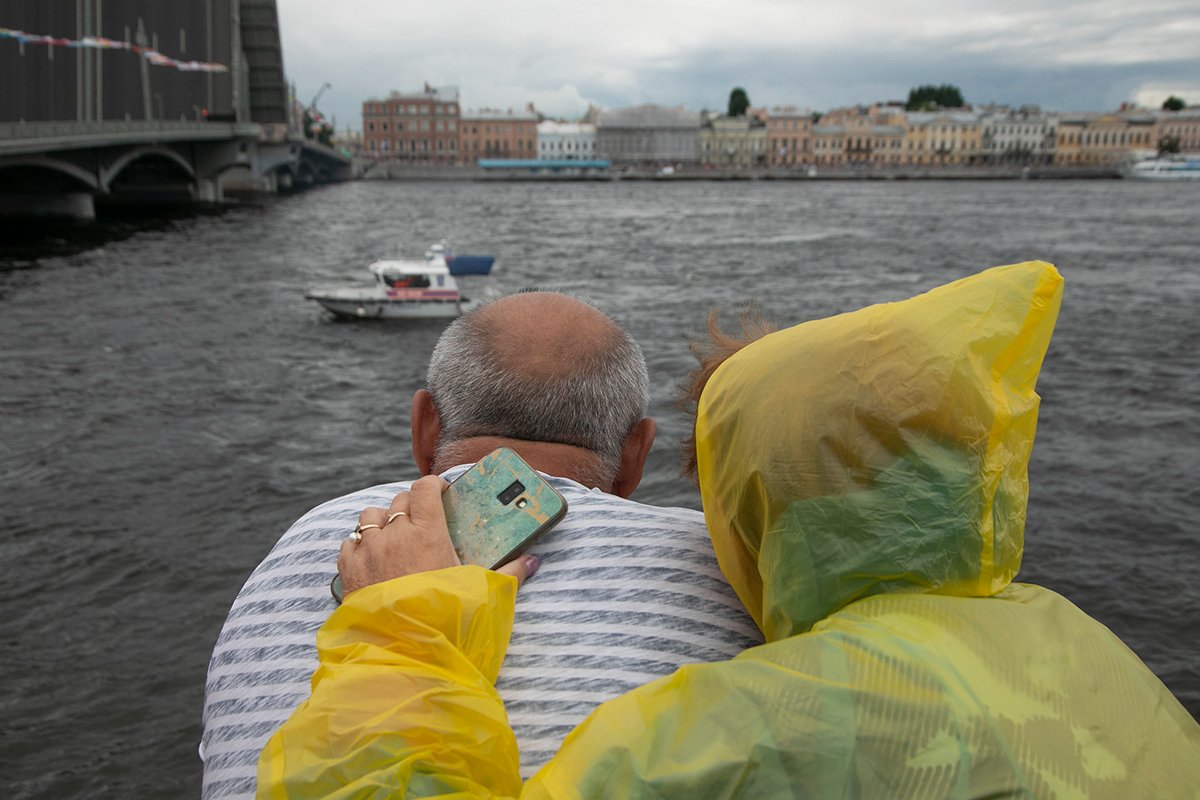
{"x": 593, "y": 401}
{"x": 712, "y": 353}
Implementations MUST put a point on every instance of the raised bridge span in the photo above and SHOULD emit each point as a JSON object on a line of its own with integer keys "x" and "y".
{"x": 120, "y": 100}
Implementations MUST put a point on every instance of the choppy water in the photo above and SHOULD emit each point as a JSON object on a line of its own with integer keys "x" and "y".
{"x": 170, "y": 403}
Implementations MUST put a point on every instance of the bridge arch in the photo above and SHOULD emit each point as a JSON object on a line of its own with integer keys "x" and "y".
{"x": 88, "y": 180}
{"x": 113, "y": 170}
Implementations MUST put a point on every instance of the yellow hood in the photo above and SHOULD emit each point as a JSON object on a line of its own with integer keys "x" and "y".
{"x": 879, "y": 451}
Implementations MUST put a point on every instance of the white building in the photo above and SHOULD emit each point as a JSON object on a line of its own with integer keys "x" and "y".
{"x": 648, "y": 134}
{"x": 1022, "y": 136}
{"x": 558, "y": 141}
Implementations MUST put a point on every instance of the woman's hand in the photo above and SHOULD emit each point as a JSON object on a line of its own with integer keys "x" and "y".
{"x": 408, "y": 537}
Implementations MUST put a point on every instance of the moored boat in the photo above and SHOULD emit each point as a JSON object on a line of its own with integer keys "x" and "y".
{"x": 408, "y": 288}
{"x": 1167, "y": 168}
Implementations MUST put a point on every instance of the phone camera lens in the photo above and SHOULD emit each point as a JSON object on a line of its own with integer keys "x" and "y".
{"x": 507, "y": 496}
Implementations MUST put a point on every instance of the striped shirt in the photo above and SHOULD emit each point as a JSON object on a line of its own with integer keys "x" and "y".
{"x": 626, "y": 594}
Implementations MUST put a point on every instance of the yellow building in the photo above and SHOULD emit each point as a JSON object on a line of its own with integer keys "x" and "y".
{"x": 829, "y": 142}
{"x": 1181, "y": 126}
{"x": 941, "y": 138}
{"x": 1103, "y": 140}
{"x": 733, "y": 142}
{"x": 789, "y": 136}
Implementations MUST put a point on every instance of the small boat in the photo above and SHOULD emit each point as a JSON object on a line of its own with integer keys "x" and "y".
{"x": 1167, "y": 168}
{"x": 408, "y": 288}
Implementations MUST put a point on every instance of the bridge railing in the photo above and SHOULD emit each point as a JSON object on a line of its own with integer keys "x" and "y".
{"x": 19, "y": 137}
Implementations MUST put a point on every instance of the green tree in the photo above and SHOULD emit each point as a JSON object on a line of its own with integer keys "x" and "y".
{"x": 930, "y": 97}
{"x": 739, "y": 101}
{"x": 1174, "y": 103}
{"x": 1168, "y": 144}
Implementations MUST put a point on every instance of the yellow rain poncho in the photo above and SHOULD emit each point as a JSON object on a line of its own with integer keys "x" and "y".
{"x": 864, "y": 481}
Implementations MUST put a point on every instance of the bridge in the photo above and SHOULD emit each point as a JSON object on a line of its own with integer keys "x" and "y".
{"x": 93, "y": 110}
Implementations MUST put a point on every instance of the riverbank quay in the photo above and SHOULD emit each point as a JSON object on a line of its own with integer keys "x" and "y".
{"x": 398, "y": 171}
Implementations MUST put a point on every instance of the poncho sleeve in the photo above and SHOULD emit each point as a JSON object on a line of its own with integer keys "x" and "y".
{"x": 404, "y": 701}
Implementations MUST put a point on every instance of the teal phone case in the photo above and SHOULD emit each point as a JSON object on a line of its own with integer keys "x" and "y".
{"x": 485, "y": 529}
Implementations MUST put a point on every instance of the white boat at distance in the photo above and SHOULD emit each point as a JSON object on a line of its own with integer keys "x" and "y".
{"x": 407, "y": 288}
{"x": 1167, "y": 168}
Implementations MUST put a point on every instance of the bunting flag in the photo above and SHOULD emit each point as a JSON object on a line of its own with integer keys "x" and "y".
{"x": 99, "y": 42}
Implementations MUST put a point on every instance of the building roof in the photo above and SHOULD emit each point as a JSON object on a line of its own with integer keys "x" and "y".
{"x": 507, "y": 115}
{"x": 438, "y": 94}
{"x": 552, "y": 128}
{"x": 648, "y": 116}
{"x": 932, "y": 117}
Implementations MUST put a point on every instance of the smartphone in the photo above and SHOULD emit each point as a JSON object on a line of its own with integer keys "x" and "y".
{"x": 495, "y": 511}
{"x": 498, "y": 508}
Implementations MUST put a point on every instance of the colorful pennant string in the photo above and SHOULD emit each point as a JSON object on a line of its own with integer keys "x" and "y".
{"x": 99, "y": 42}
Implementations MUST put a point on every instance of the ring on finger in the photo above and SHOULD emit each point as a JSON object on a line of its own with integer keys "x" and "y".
{"x": 355, "y": 536}
{"x": 361, "y": 527}
{"x": 393, "y": 516}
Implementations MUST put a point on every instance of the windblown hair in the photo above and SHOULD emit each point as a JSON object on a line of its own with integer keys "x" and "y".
{"x": 712, "y": 353}
{"x": 592, "y": 402}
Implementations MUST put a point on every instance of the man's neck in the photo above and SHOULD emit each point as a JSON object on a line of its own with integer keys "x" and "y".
{"x": 564, "y": 460}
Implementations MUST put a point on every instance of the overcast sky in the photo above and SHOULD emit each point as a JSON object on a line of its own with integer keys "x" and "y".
{"x": 1071, "y": 55}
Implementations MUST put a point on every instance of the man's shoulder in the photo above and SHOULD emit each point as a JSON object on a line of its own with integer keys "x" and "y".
{"x": 595, "y": 498}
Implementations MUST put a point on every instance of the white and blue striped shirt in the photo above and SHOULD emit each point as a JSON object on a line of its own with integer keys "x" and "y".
{"x": 626, "y": 594}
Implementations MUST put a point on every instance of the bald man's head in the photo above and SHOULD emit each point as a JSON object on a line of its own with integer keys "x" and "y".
{"x": 545, "y": 334}
{"x": 539, "y": 366}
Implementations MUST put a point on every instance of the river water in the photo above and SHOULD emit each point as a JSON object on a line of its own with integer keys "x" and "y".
{"x": 171, "y": 403}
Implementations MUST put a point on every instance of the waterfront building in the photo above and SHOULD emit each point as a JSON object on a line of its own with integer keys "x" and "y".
{"x": 859, "y": 136}
{"x": 941, "y": 138}
{"x": 492, "y": 133}
{"x": 1182, "y": 127}
{"x": 1017, "y": 136}
{"x": 828, "y": 143}
{"x": 570, "y": 141}
{"x": 1103, "y": 140}
{"x": 420, "y": 128}
{"x": 789, "y": 136}
{"x": 648, "y": 134}
{"x": 733, "y": 141}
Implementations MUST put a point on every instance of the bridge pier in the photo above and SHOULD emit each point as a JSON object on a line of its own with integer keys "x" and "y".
{"x": 208, "y": 191}
{"x": 65, "y": 205}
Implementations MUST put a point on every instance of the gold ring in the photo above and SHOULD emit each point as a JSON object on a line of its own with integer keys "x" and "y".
{"x": 355, "y": 536}
{"x": 393, "y": 516}
{"x": 366, "y": 527}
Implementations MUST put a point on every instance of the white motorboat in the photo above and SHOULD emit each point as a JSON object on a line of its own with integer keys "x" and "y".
{"x": 407, "y": 288}
{"x": 1167, "y": 168}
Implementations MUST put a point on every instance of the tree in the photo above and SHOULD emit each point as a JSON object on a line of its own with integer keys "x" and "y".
{"x": 1168, "y": 144}
{"x": 930, "y": 98}
{"x": 1174, "y": 103}
{"x": 739, "y": 101}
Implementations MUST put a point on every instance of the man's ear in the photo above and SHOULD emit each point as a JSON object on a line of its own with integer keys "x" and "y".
{"x": 426, "y": 431}
{"x": 633, "y": 457}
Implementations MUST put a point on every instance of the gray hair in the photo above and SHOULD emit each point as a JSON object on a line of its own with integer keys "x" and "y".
{"x": 593, "y": 402}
